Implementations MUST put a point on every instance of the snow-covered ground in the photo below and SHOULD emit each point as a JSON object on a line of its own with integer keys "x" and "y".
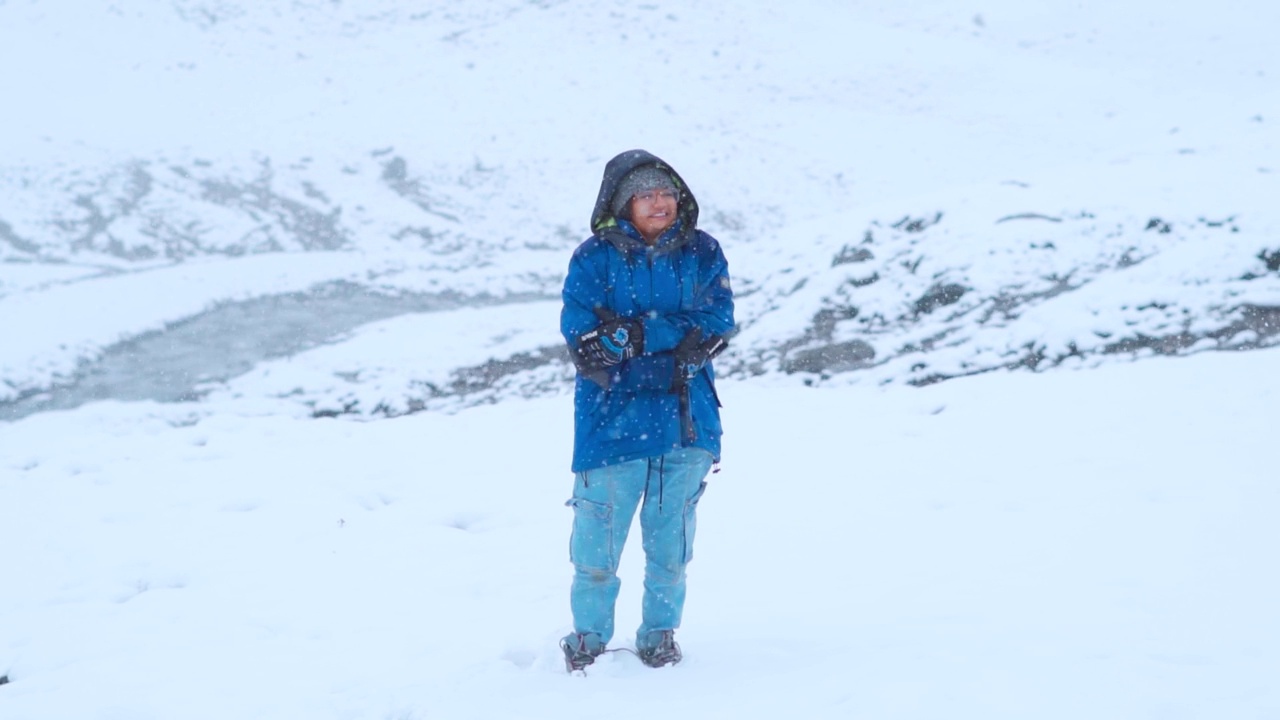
{"x": 907, "y": 193}
{"x": 1091, "y": 544}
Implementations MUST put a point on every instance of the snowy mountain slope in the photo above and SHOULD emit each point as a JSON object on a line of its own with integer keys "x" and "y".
{"x": 292, "y": 210}
{"x": 935, "y": 296}
{"x": 433, "y": 148}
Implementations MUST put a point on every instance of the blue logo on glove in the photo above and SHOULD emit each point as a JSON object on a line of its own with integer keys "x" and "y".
{"x": 618, "y": 342}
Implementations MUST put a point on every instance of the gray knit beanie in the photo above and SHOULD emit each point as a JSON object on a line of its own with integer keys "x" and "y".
{"x": 644, "y": 178}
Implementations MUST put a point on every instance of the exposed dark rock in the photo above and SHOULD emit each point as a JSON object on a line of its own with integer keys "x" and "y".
{"x": 94, "y": 223}
{"x": 1163, "y": 345}
{"x": 478, "y": 384}
{"x": 927, "y": 344}
{"x": 484, "y": 376}
{"x": 1031, "y": 360}
{"x": 346, "y": 409}
{"x": 1264, "y": 320}
{"x": 939, "y": 296}
{"x": 824, "y": 321}
{"x": 1007, "y": 303}
{"x": 1228, "y": 222}
{"x": 395, "y": 173}
{"x": 1270, "y": 257}
{"x": 1262, "y": 323}
{"x": 928, "y": 380}
{"x": 941, "y": 377}
{"x": 863, "y": 282}
{"x": 838, "y": 357}
{"x": 7, "y": 235}
{"x": 102, "y": 209}
{"x": 309, "y": 227}
{"x": 128, "y": 213}
{"x": 1159, "y": 226}
{"x": 852, "y": 255}
{"x": 915, "y": 225}
{"x": 1128, "y": 260}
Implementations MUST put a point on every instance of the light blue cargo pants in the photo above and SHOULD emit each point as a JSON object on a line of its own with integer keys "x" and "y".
{"x": 604, "y": 502}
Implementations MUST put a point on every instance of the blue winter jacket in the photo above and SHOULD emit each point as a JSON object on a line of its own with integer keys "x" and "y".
{"x": 680, "y": 283}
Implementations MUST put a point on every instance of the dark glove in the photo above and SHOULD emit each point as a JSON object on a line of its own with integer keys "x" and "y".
{"x": 609, "y": 344}
{"x": 692, "y": 353}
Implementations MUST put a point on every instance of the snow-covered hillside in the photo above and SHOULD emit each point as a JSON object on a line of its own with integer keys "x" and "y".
{"x": 230, "y": 228}
{"x": 906, "y": 194}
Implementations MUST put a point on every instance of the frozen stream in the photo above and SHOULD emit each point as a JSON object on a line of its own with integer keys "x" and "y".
{"x": 173, "y": 364}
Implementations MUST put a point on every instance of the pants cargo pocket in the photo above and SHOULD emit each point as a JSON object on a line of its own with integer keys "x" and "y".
{"x": 591, "y": 543}
{"x": 691, "y": 521}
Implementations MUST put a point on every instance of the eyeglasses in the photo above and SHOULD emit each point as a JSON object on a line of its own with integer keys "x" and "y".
{"x": 649, "y": 196}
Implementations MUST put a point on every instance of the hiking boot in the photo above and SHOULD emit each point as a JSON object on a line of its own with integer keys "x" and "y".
{"x": 580, "y": 650}
{"x": 666, "y": 652}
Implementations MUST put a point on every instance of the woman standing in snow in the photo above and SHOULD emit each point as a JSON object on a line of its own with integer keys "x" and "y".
{"x": 647, "y": 305}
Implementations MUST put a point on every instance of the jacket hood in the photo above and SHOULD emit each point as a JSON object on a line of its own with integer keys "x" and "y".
{"x": 603, "y": 222}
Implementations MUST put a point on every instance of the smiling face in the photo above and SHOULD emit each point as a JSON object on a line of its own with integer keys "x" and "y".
{"x": 653, "y": 211}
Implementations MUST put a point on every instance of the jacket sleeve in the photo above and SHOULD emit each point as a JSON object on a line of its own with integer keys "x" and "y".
{"x": 585, "y": 289}
{"x": 712, "y": 308}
